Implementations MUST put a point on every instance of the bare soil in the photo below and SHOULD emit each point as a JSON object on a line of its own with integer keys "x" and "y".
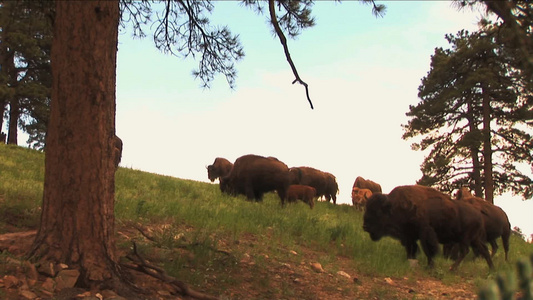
{"x": 243, "y": 269}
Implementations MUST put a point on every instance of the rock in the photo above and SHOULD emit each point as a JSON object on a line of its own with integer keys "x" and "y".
{"x": 27, "y": 294}
{"x": 389, "y": 281}
{"x": 11, "y": 282}
{"x": 317, "y": 267}
{"x": 60, "y": 267}
{"x": 344, "y": 274}
{"x": 47, "y": 268}
{"x": 31, "y": 271}
{"x": 48, "y": 285}
{"x": 66, "y": 279}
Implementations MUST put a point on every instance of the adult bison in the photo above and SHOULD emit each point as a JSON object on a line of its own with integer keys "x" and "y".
{"x": 332, "y": 188}
{"x": 412, "y": 213}
{"x": 495, "y": 220}
{"x": 324, "y": 183}
{"x": 220, "y": 168}
{"x": 254, "y": 175}
{"x": 359, "y": 197}
{"x": 362, "y": 183}
{"x": 301, "y": 192}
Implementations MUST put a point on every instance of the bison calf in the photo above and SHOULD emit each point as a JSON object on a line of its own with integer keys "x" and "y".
{"x": 359, "y": 197}
{"x": 302, "y": 192}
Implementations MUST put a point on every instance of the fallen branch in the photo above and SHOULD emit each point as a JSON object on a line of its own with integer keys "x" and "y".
{"x": 142, "y": 266}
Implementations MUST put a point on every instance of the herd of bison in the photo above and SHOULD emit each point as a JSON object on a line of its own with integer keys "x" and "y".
{"x": 408, "y": 213}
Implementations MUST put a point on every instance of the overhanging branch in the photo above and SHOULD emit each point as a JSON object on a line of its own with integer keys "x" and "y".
{"x": 283, "y": 40}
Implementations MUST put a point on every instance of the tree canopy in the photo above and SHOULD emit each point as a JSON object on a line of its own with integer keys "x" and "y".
{"x": 473, "y": 117}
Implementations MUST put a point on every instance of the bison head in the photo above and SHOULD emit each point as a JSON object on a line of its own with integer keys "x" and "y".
{"x": 211, "y": 173}
{"x": 377, "y": 215}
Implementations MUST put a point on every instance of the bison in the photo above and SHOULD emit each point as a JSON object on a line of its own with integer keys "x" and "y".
{"x": 254, "y": 175}
{"x": 301, "y": 192}
{"x": 495, "y": 219}
{"x": 362, "y": 183}
{"x": 324, "y": 183}
{"x": 220, "y": 168}
{"x": 360, "y": 196}
{"x": 412, "y": 213}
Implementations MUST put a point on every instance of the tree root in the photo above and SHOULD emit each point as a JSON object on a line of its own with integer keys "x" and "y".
{"x": 142, "y": 266}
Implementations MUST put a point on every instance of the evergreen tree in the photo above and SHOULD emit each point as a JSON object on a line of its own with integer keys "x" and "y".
{"x": 77, "y": 220}
{"x": 473, "y": 118}
{"x": 25, "y": 76}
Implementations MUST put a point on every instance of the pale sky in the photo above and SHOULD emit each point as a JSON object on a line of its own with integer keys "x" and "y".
{"x": 363, "y": 73}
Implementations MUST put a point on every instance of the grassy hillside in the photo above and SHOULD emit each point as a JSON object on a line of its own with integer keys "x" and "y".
{"x": 202, "y": 236}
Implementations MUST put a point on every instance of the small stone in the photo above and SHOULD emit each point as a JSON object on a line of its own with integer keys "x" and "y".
{"x": 48, "y": 285}
{"x": 66, "y": 279}
{"x": 27, "y": 294}
{"x": 31, "y": 271}
{"x": 317, "y": 267}
{"x": 344, "y": 274}
{"x": 47, "y": 268}
{"x": 60, "y": 267}
{"x": 11, "y": 281}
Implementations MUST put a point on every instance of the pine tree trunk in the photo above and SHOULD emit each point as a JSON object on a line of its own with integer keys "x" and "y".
{"x": 474, "y": 152}
{"x": 487, "y": 148}
{"x": 14, "y": 114}
{"x": 77, "y": 221}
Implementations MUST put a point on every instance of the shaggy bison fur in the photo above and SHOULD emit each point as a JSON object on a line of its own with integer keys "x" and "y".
{"x": 412, "y": 213}
{"x": 495, "y": 220}
{"x": 220, "y": 168}
{"x": 324, "y": 183}
{"x": 254, "y": 175}
{"x": 362, "y": 183}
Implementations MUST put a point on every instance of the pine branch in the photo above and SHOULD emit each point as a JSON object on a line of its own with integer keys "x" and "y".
{"x": 283, "y": 40}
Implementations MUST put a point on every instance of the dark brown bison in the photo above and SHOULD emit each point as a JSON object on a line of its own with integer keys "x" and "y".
{"x": 412, "y": 213}
{"x": 301, "y": 192}
{"x": 254, "y": 175}
{"x": 495, "y": 219}
{"x": 220, "y": 168}
{"x": 362, "y": 183}
{"x": 117, "y": 151}
{"x": 332, "y": 188}
{"x": 359, "y": 197}
{"x": 324, "y": 183}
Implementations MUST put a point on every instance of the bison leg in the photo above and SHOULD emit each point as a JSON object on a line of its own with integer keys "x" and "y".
{"x": 505, "y": 241}
{"x": 463, "y": 251}
{"x": 482, "y": 249}
{"x": 430, "y": 244}
{"x": 494, "y": 246}
{"x": 411, "y": 248}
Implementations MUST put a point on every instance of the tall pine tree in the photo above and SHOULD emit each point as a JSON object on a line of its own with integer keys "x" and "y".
{"x": 473, "y": 118}
{"x": 25, "y": 75}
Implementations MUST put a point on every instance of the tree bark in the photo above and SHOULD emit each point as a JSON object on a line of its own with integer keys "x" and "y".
{"x": 487, "y": 148}
{"x": 14, "y": 114}
{"x": 77, "y": 220}
{"x": 474, "y": 152}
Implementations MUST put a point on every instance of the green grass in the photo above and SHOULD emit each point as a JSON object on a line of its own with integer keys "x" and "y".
{"x": 209, "y": 216}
